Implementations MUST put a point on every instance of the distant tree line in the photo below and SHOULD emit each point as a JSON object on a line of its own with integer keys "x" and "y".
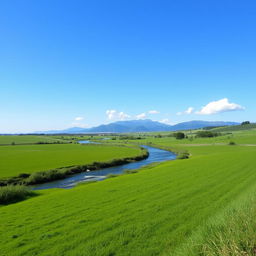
{"x": 124, "y": 137}
{"x": 207, "y": 134}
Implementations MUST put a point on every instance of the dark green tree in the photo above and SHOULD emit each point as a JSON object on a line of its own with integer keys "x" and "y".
{"x": 179, "y": 135}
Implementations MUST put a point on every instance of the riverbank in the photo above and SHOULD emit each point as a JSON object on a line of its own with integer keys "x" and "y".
{"x": 156, "y": 155}
{"x": 40, "y": 177}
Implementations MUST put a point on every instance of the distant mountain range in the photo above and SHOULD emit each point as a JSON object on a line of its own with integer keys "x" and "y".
{"x": 145, "y": 125}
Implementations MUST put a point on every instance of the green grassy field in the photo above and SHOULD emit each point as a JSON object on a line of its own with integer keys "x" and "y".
{"x": 239, "y": 137}
{"x": 153, "y": 212}
{"x": 27, "y": 139}
{"x": 230, "y": 232}
{"x": 33, "y": 158}
{"x": 234, "y": 128}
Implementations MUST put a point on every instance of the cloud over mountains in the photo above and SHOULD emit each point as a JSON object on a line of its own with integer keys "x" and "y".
{"x": 219, "y": 106}
{"x": 214, "y": 107}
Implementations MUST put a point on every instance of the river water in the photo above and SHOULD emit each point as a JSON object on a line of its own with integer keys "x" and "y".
{"x": 155, "y": 155}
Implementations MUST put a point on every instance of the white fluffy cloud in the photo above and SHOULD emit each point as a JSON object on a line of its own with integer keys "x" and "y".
{"x": 153, "y": 112}
{"x": 79, "y": 118}
{"x": 219, "y": 106}
{"x": 141, "y": 116}
{"x": 115, "y": 115}
{"x": 111, "y": 114}
{"x": 166, "y": 121}
{"x": 188, "y": 111}
{"x": 123, "y": 116}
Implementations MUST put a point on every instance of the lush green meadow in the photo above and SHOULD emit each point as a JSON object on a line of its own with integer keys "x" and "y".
{"x": 28, "y": 139}
{"x": 239, "y": 137}
{"x": 153, "y": 212}
{"x": 18, "y": 159}
{"x": 229, "y": 232}
{"x": 233, "y": 128}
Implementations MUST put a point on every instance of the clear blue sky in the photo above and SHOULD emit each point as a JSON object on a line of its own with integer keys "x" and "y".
{"x": 67, "y": 60}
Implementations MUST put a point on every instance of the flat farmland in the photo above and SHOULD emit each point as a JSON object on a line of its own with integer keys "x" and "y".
{"x": 19, "y": 159}
{"x": 27, "y": 139}
{"x": 152, "y": 212}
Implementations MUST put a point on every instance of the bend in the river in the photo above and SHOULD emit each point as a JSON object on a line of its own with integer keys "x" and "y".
{"x": 155, "y": 155}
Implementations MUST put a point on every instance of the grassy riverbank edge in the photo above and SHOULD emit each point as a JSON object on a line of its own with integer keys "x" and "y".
{"x": 63, "y": 172}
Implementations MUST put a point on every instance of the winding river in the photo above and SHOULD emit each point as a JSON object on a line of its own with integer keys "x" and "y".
{"x": 155, "y": 155}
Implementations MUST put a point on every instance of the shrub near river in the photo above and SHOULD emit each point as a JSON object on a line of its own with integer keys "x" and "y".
{"x": 12, "y": 194}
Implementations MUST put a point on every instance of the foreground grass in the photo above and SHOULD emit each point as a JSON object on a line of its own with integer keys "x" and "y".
{"x": 15, "y": 160}
{"x": 151, "y": 212}
{"x": 229, "y": 233}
